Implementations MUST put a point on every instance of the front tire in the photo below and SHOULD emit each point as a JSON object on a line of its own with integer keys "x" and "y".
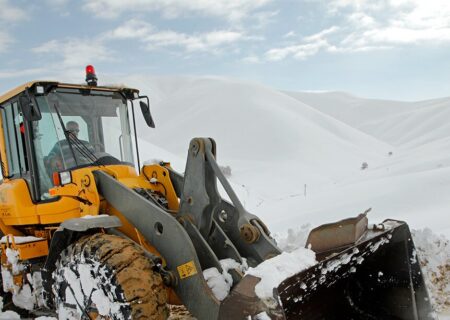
{"x": 108, "y": 276}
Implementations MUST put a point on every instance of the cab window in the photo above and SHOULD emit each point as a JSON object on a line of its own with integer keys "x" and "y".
{"x": 14, "y": 133}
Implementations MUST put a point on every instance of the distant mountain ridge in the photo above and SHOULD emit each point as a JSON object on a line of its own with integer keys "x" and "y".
{"x": 395, "y": 122}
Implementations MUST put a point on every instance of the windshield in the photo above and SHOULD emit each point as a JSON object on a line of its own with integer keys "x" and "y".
{"x": 96, "y": 131}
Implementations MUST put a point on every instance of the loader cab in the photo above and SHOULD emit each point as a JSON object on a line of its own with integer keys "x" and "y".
{"x": 51, "y": 127}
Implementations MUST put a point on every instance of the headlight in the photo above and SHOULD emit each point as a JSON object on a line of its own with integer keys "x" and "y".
{"x": 65, "y": 177}
{"x": 61, "y": 178}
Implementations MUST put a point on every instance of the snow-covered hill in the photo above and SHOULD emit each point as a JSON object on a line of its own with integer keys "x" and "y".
{"x": 252, "y": 122}
{"x": 399, "y": 123}
{"x": 296, "y": 158}
{"x": 299, "y": 155}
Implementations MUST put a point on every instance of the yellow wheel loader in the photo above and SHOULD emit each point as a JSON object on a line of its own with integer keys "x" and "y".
{"x": 89, "y": 237}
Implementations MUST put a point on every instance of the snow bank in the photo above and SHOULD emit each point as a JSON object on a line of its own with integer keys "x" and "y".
{"x": 7, "y": 315}
{"x": 273, "y": 271}
{"x": 434, "y": 256}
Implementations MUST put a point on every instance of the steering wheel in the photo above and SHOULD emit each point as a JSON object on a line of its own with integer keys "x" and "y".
{"x": 104, "y": 158}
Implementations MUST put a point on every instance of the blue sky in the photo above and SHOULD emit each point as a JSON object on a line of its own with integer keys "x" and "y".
{"x": 395, "y": 49}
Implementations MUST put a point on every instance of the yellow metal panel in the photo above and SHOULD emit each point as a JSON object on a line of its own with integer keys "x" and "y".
{"x": 83, "y": 186}
{"x": 16, "y": 221}
{"x": 58, "y": 218}
{"x": 61, "y": 206}
{"x": 69, "y": 205}
{"x": 9, "y": 230}
{"x": 16, "y": 207}
{"x": 32, "y": 250}
{"x": 14, "y": 92}
{"x": 121, "y": 171}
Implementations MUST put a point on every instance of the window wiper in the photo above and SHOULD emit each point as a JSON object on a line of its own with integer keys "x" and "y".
{"x": 71, "y": 138}
{"x": 82, "y": 148}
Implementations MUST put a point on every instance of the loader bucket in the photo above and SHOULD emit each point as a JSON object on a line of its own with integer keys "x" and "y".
{"x": 379, "y": 277}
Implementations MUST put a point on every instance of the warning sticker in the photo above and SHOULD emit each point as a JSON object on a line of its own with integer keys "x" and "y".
{"x": 186, "y": 270}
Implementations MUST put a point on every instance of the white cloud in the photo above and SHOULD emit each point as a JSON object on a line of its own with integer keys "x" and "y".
{"x": 260, "y": 20}
{"x": 217, "y": 38}
{"x": 321, "y": 35}
{"x": 289, "y": 34}
{"x": 155, "y": 39}
{"x": 361, "y": 20}
{"x": 367, "y": 25}
{"x": 75, "y": 52}
{"x": 133, "y": 29}
{"x": 300, "y": 51}
{"x": 309, "y": 46}
{"x": 209, "y": 41}
{"x": 390, "y": 22}
{"x": 395, "y": 35}
{"x": 252, "y": 59}
{"x": 11, "y": 13}
{"x": 229, "y": 9}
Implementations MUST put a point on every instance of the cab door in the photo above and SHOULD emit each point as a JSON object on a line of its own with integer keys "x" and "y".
{"x": 16, "y": 205}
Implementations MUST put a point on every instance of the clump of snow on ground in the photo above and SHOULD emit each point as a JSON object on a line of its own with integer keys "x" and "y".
{"x": 217, "y": 282}
{"x": 220, "y": 283}
{"x": 434, "y": 255}
{"x": 29, "y": 294}
{"x": 23, "y": 298}
{"x": 262, "y": 316}
{"x": 7, "y": 315}
{"x": 293, "y": 239}
{"x": 273, "y": 271}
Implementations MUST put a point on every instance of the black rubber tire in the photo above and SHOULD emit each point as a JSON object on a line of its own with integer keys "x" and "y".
{"x": 120, "y": 271}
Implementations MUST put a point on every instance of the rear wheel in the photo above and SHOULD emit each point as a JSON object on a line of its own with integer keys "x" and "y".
{"x": 104, "y": 276}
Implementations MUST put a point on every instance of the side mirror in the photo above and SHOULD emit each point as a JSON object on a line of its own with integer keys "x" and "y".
{"x": 29, "y": 110}
{"x": 147, "y": 115}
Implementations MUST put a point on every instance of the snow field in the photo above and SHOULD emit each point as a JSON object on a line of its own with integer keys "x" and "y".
{"x": 296, "y": 159}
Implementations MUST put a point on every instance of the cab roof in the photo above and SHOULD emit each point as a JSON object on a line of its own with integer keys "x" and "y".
{"x": 14, "y": 92}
